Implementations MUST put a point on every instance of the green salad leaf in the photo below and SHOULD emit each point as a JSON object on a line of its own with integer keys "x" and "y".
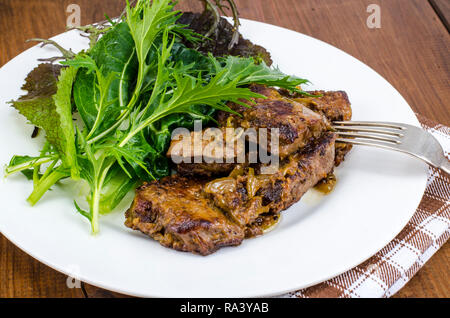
{"x": 115, "y": 54}
{"x": 63, "y": 107}
{"x": 41, "y": 112}
{"x": 38, "y": 105}
{"x": 247, "y": 71}
{"x": 26, "y": 164}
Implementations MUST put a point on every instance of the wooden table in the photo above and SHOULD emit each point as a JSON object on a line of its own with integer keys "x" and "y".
{"x": 411, "y": 50}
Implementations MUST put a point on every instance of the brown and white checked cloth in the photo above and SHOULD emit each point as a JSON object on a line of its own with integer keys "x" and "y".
{"x": 391, "y": 268}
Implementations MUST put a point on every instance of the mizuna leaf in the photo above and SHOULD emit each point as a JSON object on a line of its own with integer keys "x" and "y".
{"x": 63, "y": 106}
{"x": 246, "y": 72}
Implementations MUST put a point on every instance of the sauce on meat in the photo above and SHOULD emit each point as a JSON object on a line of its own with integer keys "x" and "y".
{"x": 327, "y": 184}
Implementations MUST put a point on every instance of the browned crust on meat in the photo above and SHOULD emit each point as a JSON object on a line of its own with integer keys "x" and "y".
{"x": 296, "y": 128}
{"x": 172, "y": 212}
{"x": 341, "y": 151}
{"x": 334, "y": 105}
{"x": 205, "y": 169}
{"x": 301, "y": 172}
{"x": 217, "y": 163}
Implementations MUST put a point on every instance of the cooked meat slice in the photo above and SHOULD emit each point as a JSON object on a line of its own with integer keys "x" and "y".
{"x": 341, "y": 151}
{"x": 173, "y": 212}
{"x": 231, "y": 195}
{"x": 205, "y": 169}
{"x": 299, "y": 173}
{"x": 248, "y": 195}
{"x": 211, "y": 143}
{"x": 335, "y": 106}
{"x": 263, "y": 223}
{"x": 214, "y": 150}
{"x": 200, "y": 216}
{"x": 297, "y": 124}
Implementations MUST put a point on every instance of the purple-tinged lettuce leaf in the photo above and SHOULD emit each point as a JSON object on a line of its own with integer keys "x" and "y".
{"x": 47, "y": 105}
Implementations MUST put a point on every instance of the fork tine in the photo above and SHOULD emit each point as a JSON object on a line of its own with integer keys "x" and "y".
{"x": 366, "y": 136}
{"x": 369, "y": 130}
{"x": 370, "y": 124}
{"x": 379, "y": 144}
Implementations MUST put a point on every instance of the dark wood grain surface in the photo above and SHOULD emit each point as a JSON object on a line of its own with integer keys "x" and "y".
{"x": 411, "y": 50}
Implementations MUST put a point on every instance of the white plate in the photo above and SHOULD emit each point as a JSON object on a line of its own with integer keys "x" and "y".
{"x": 376, "y": 194}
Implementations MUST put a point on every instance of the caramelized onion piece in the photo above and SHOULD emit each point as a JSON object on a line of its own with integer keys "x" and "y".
{"x": 254, "y": 183}
{"x": 237, "y": 171}
{"x": 221, "y": 185}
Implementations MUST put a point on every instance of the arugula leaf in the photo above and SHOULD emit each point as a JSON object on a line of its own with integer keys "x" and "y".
{"x": 49, "y": 178}
{"x": 146, "y": 21}
{"x": 99, "y": 110}
{"x": 116, "y": 186}
{"x": 94, "y": 169}
{"x": 82, "y": 60}
{"x": 197, "y": 62}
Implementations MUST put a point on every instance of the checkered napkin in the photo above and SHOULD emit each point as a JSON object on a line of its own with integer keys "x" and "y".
{"x": 391, "y": 268}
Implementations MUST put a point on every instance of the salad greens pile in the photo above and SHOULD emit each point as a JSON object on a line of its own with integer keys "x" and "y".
{"x": 131, "y": 88}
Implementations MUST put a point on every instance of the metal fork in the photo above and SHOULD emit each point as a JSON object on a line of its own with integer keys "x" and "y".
{"x": 394, "y": 136}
